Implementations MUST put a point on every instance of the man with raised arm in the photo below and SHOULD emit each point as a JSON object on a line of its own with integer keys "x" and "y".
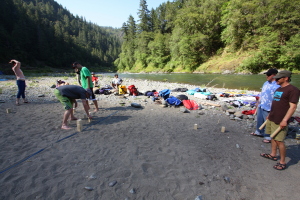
{"x": 20, "y": 81}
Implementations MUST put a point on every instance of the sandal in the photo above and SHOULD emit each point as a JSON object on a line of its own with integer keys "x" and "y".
{"x": 266, "y": 141}
{"x": 254, "y": 134}
{"x": 280, "y": 166}
{"x": 268, "y": 156}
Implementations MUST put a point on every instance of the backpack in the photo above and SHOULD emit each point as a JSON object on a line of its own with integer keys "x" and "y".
{"x": 173, "y": 101}
{"x": 122, "y": 89}
{"x": 133, "y": 90}
{"x": 190, "y": 104}
{"x": 182, "y": 97}
{"x": 211, "y": 97}
{"x": 164, "y": 94}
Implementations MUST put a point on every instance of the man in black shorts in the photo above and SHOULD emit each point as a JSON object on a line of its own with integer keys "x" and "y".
{"x": 67, "y": 94}
{"x": 283, "y": 107}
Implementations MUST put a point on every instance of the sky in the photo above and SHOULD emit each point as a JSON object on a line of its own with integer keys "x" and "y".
{"x": 107, "y": 12}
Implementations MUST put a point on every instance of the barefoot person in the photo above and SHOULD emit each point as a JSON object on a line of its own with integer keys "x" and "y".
{"x": 86, "y": 81}
{"x": 264, "y": 104}
{"x": 67, "y": 94}
{"x": 283, "y": 107}
{"x": 20, "y": 81}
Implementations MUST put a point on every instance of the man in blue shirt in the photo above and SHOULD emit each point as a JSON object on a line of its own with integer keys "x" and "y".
{"x": 264, "y": 103}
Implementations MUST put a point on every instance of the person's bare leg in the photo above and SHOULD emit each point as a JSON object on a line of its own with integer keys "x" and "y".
{"x": 72, "y": 115}
{"x": 273, "y": 148}
{"x": 18, "y": 101}
{"x": 96, "y": 105}
{"x": 282, "y": 151}
{"x": 65, "y": 119}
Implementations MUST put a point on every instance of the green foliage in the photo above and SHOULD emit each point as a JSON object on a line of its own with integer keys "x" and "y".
{"x": 42, "y": 31}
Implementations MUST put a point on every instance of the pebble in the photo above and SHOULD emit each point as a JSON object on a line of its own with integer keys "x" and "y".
{"x": 237, "y": 146}
{"x": 132, "y": 191}
{"x": 88, "y": 188}
{"x": 112, "y": 184}
{"x": 184, "y": 110}
{"x": 226, "y": 179}
{"x": 198, "y": 198}
{"x": 92, "y": 177}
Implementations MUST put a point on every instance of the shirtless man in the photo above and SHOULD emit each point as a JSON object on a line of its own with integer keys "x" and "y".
{"x": 20, "y": 81}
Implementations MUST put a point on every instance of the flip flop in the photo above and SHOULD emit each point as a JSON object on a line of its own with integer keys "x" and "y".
{"x": 280, "y": 166}
{"x": 254, "y": 134}
{"x": 268, "y": 156}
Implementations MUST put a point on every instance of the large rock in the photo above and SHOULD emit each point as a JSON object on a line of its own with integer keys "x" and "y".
{"x": 184, "y": 110}
{"x": 224, "y": 107}
{"x": 231, "y": 111}
{"x": 136, "y": 105}
{"x": 238, "y": 114}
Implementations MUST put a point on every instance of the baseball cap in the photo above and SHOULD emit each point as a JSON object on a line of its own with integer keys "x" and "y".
{"x": 92, "y": 73}
{"x": 283, "y": 73}
{"x": 271, "y": 71}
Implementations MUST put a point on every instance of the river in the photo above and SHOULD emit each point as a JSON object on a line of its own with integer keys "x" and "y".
{"x": 229, "y": 81}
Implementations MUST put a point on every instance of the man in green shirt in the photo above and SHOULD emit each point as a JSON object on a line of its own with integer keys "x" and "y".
{"x": 85, "y": 81}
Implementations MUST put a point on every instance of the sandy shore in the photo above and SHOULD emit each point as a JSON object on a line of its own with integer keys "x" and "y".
{"x": 130, "y": 153}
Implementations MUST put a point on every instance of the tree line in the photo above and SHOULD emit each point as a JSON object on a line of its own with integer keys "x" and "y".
{"x": 182, "y": 35}
{"x": 43, "y": 33}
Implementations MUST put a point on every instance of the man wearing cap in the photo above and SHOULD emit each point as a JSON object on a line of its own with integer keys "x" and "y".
{"x": 67, "y": 94}
{"x": 116, "y": 81}
{"x": 284, "y": 104}
{"x": 85, "y": 81}
{"x": 264, "y": 104}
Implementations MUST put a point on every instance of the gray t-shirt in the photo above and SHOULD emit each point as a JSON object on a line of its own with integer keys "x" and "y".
{"x": 72, "y": 91}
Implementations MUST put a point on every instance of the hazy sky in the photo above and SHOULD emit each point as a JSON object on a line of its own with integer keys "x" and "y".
{"x": 107, "y": 12}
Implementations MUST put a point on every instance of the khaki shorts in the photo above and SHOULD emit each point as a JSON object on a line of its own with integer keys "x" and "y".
{"x": 271, "y": 127}
{"x": 65, "y": 101}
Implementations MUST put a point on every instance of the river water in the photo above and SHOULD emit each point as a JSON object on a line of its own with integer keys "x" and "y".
{"x": 229, "y": 81}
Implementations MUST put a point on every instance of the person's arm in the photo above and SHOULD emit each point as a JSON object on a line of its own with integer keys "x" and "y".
{"x": 288, "y": 115}
{"x": 16, "y": 65}
{"x": 86, "y": 107}
{"x": 75, "y": 103}
{"x": 88, "y": 78}
{"x": 78, "y": 79}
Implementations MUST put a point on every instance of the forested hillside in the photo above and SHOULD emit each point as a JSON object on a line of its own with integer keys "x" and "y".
{"x": 42, "y": 33}
{"x": 212, "y": 36}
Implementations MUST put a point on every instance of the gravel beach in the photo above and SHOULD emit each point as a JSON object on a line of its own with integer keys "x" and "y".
{"x": 152, "y": 152}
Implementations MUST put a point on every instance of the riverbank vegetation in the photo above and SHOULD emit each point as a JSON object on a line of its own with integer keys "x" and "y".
{"x": 45, "y": 36}
{"x": 212, "y": 36}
